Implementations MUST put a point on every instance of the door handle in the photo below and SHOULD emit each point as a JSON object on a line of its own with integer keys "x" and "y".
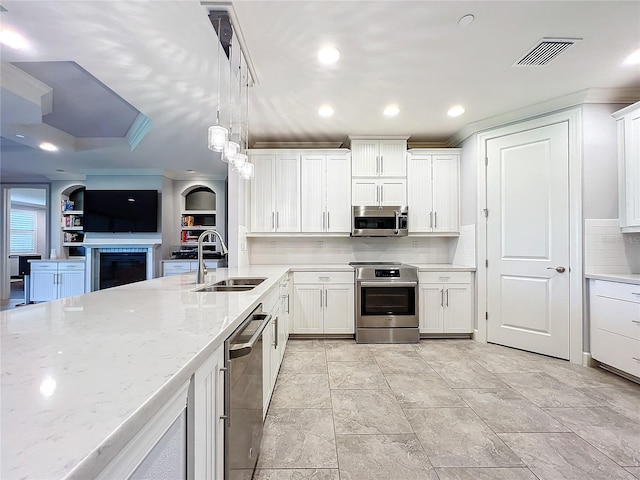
{"x": 442, "y": 297}
{"x": 435, "y": 219}
{"x": 275, "y": 333}
{"x": 377, "y": 194}
{"x": 430, "y": 219}
{"x": 273, "y": 221}
{"x": 381, "y": 164}
{"x": 377, "y": 165}
{"x": 227, "y": 393}
{"x": 277, "y": 219}
{"x": 323, "y": 220}
{"x": 557, "y": 269}
{"x": 328, "y": 221}
{"x": 447, "y": 302}
{"x": 326, "y": 298}
{"x": 381, "y": 193}
{"x": 320, "y": 298}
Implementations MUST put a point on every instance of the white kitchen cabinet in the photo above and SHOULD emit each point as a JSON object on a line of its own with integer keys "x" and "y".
{"x": 378, "y": 192}
{"x": 51, "y": 280}
{"x": 628, "y": 122}
{"x": 159, "y": 449}
{"x": 433, "y": 191}
{"x": 178, "y": 267}
{"x": 275, "y": 193}
{"x": 615, "y": 324}
{"x": 445, "y": 302}
{"x": 326, "y": 193}
{"x": 378, "y": 157}
{"x": 323, "y": 303}
{"x": 274, "y": 338}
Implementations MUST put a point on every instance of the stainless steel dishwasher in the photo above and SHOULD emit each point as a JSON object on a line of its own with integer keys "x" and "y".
{"x": 243, "y": 396}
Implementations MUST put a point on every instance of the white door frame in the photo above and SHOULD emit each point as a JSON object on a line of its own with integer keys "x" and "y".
{"x": 576, "y": 325}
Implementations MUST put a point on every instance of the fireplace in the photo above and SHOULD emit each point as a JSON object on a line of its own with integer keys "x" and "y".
{"x": 120, "y": 268}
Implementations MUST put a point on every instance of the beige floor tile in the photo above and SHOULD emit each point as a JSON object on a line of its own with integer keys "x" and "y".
{"x": 356, "y": 375}
{"x": 301, "y": 390}
{"x": 485, "y": 473}
{"x": 552, "y": 456}
{"x": 608, "y": 431}
{"x": 368, "y": 412}
{"x": 505, "y": 410}
{"x": 297, "y": 474}
{"x": 578, "y": 376}
{"x": 457, "y": 437}
{"x": 465, "y": 373}
{"x": 298, "y": 361}
{"x": 401, "y": 362}
{"x": 382, "y": 457}
{"x": 345, "y": 351}
{"x": 546, "y": 391}
{"x": 423, "y": 391}
{"x": 635, "y": 471}
{"x": 298, "y": 438}
{"x": 625, "y": 401}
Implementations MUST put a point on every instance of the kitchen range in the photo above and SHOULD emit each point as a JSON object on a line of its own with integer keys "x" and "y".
{"x": 386, "y": 302}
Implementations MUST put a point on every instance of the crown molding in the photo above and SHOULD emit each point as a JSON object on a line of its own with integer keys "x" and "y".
{"x": 589, "y": 96}
{"x": 27, "y": 87}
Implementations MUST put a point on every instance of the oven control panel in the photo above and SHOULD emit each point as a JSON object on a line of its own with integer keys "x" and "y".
{"x": 387, "y": 273}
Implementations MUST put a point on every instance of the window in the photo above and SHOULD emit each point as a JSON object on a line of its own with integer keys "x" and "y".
{"x": 23, "y": 231}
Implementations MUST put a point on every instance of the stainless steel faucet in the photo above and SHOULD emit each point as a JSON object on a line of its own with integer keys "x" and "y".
{"x": 201, "y": 272}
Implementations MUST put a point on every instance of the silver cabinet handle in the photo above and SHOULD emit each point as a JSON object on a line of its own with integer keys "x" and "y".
{"x": 377, "y": 194}
{"x": 323, "y": 222}
{"x": 320, "y": 298}
{"x": 447, "y": 302}
{"x": 636, "y": 359}
{"x": 326, "y": 298}
{"x": 635, "y": 293}
{"x": 557, "y": 269}
{"x": 636, "y": 322}
{"x": 435, "y": 219}
{"x": 442, "y": 297}
{"x": 377, "y": 165}
{"x": 227, "y": 393}
{"x": 381, "y": 193}
{"x": 275, "y": 333}
{"x": 430, "y": 219}
{"x": 273, "y": 221}
{"x": 381, "y": 164}
{"x": 277, "y": 219}
{"x": 328, "y": 221}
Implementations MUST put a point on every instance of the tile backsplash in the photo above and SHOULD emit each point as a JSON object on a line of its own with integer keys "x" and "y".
{"x": 607, "y": 250}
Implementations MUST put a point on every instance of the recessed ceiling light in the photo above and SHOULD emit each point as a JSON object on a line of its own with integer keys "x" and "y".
{"x": 328, "y": 55}
{"x": 49, "y": 147}
{"x": 632, "y": 59}
{"x": 19, "y": 135}
{"x": 466, "y": 20}
{"x": 13, "y": 39}
{"x": 325, "y": 111}
{"x": 391, "y": 111}
{"x": 455, "y": 111}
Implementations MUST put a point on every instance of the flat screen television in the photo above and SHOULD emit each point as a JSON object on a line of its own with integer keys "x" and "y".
{"x": 120, "y": 211}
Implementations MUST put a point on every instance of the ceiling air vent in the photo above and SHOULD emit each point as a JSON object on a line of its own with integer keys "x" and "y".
{"x": 545, "y": 51}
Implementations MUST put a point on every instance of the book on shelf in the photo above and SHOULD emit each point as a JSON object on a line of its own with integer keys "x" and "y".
{"x": 188, "y": 220}
{"x": 67, "y": 205}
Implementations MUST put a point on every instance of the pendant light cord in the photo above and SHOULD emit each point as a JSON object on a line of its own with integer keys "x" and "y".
{"x": 219, "y": 76}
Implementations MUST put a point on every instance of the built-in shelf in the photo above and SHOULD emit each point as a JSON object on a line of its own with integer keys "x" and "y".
{"x": 198, "y": 214}
{"x": 72, "y": 220}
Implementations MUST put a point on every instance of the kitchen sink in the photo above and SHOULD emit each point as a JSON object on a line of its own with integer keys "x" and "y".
{"x": 241, "y": 281}
{"x": 224, "y": 288}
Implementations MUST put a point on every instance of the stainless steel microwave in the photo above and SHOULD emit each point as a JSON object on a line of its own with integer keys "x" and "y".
{"x": 379, "y": 222}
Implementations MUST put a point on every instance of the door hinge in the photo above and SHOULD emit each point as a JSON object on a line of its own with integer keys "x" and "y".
{"x": 486, "y": 263}
{"x": 486, "y": 315}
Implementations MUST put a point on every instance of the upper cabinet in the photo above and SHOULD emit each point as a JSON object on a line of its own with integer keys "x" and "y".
{"x": 628, "y": 120}
{"x": 433, "y": 191}
{"x": 275, "y": 193}
{"x": 382, "y": 157}
{"x": 326, "y": 193}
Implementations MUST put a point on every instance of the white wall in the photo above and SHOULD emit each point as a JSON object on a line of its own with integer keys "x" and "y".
{"x": 469, "y": 181}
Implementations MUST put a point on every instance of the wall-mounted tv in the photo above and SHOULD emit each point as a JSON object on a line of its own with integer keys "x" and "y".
{"x": 120, "y": 211}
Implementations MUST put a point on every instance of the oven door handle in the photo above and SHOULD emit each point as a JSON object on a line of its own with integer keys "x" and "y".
{"x": 387, "y": 284}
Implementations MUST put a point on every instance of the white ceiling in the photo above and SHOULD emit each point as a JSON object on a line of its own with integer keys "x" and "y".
{"x": 160, "y": 57}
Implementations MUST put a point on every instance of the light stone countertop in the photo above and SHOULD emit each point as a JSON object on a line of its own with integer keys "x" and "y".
{"x": 81, "y": 375}
{"x": 633, "y": 278}
{"x": 72, "y": 259}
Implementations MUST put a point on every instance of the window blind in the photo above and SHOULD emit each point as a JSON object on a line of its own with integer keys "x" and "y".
{"x": 22, "y": 231}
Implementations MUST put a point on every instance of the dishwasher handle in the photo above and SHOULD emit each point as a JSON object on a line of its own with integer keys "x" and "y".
{"x": 243, "y": 349}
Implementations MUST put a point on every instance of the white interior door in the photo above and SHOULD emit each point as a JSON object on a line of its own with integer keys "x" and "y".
{"x": 528, "y": 240}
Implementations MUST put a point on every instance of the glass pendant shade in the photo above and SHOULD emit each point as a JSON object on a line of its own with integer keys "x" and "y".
{"x": 231, "y": 149}
{"x": 217, "y": 138}
{"x": 247, "y": 171}
{"x": 239, "y": 160}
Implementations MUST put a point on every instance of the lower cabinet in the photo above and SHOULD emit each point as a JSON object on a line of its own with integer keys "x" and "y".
{"x": 615, "y": 324}
{"x": 323, "y": 302}
{"x": 159, "y": 449}
{"x": 51, "y": 280}
{"x": 178, "y": 267}
{"x": 274, "y": 341}
{"x": 445, "y": 302}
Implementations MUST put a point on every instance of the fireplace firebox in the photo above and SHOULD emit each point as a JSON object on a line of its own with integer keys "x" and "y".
{"x": 121, "y": 268}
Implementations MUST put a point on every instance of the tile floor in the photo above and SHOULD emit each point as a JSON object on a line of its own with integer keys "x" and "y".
{"x": 446, "y": 410}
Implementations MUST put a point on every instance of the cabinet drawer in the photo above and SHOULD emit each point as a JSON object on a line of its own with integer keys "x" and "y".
{"x": 176, "y": 267}
{"x": 44, "y": 266}
{"x": 444, "y": 277}
{"x": 617, "y": 351}
{"x": 620, "y": 291}
{"x": 616, "y": 316}
{"x": 75, "y": 266}
{"x": 323, "y": 277}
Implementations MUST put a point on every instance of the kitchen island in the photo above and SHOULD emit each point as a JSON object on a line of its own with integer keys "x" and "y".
{"x": 82, "y": 375}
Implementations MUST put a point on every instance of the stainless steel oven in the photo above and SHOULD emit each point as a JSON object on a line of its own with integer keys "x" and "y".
{"x": 386, "y": 303}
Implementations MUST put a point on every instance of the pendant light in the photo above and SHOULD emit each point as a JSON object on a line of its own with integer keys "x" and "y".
{"x": 241, "y": 160}
{"x": 231, "y": 148}
{"x": 218, "y": 135}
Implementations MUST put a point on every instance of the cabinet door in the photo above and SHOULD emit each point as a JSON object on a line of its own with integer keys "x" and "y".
{"x": 309, "y": 302}
{"x": 205, "y": 409}
{"x": 70, "y": 283}
{"x": 393, "y": 192}
{"x": 275, "y": 347}
{"x": 393, "y": 158}
{"x": 313, "y": 200}
{"x": 338, "y": 309}
{"x": 630, "y": 171}
{"x": 457, "y": 308}
{"x": 365, "y": 157}
{"x": 287, "y": 193}
{"x": 419, "y": 194}
{"x": 365, "y": 192}
{"x": 445, "y": 193}
{"x": 267, "y": 349}
{"x": 338, "y": 196}
{"x": 431, "y": 308}
{"x": 44, "y": 286}
{"x": 175, "y": 268}
{"x": 262, "y": 194}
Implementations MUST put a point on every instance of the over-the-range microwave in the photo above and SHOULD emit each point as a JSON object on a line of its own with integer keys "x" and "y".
{"x": 379, "y": 222}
